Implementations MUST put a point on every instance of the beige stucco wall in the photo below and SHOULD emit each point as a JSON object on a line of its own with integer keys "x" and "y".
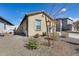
{"x": 31, "y": 27}
{"x": 23, "y": 25}
{"x": 31, "y": 24}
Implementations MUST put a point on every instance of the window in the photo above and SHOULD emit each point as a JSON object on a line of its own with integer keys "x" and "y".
{"x": 38, "y": 25}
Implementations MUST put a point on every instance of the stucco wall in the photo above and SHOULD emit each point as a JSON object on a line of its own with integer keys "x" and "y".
{"x": 7, "y": 29}
{"x": 31, "y": 24}
{"x": 22, "y": 27}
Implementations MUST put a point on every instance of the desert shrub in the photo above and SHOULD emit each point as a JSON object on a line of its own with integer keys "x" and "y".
{"x": 54, "y": 36}
{"x": 44, "y": 34}
{"x": 32, "y": 44}
{"x": 64, "y": 34}
{"x": 36, "y": 35}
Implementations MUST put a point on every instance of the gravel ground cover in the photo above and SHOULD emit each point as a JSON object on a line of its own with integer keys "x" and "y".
{"x": 15, "y": 46}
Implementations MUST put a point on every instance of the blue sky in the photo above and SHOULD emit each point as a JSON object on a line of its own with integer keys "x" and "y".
{"x": 15, "y": 12}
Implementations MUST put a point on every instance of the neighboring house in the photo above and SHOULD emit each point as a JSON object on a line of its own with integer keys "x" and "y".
{"x": 10, "y": 29}
{"x": 4, "y": 25}
{"x": 35, "y": 23}
{"x": 76, "y": 26}
{"x": 64, "y": 24}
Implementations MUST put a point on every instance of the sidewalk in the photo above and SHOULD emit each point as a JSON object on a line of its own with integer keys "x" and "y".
{"x": 71, "y": 40}
{"x": 74, "y": 35}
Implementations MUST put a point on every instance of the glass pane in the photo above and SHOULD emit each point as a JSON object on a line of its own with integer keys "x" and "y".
{"x": 38, "y": 24}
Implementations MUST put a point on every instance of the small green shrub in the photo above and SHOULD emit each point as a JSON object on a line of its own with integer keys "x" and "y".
{"x": 32, "y": 44}
{"x": 36, "y": 35}
{"x": 44, "y": 34}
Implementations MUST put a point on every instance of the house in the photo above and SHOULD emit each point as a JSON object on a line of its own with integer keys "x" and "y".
{"x": 4, "y": 25}
{"x": 35, "y": 23}
{"x": 64, "y": 24}
{"x": 76, "y": 26}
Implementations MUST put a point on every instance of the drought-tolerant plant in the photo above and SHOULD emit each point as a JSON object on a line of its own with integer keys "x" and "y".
{"x": 64, "y": 34}
{"x": 52, "y": 37}
{"x": 32, "y": 44}
{"x": 36, "y": 35}
{"x": 55, "y": 36}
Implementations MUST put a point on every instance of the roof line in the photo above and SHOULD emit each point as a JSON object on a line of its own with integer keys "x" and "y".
{"x": 38, "y": 12}
{"x": 7, "y": 22}
{"x": 33, "y": 13}
{"x": 64, "y": 18}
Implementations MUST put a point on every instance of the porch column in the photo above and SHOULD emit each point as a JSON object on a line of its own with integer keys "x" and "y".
{"x": 60, "y": 27}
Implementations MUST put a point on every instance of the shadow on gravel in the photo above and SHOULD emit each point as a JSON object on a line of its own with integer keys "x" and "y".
{"x": 26, "y": 45}
{"x": 1, "y": 34}
{"x": 77, "y": 50}
{"x": 44, "y": 44}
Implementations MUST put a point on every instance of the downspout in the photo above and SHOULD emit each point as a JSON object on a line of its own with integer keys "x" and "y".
{"x": 46, "y": 25}
{"x": 4, "y": 27}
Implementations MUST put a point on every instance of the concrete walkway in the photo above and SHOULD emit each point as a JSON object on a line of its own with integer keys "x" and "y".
{"x": 70, "y": 40}
{"x": 74, "y": 35}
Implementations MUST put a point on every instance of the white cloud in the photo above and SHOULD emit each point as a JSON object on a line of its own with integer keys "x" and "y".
{"x": 70, "y": 17}
{"x": 63, "y": 10}
{"x": 74, "y": 19}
